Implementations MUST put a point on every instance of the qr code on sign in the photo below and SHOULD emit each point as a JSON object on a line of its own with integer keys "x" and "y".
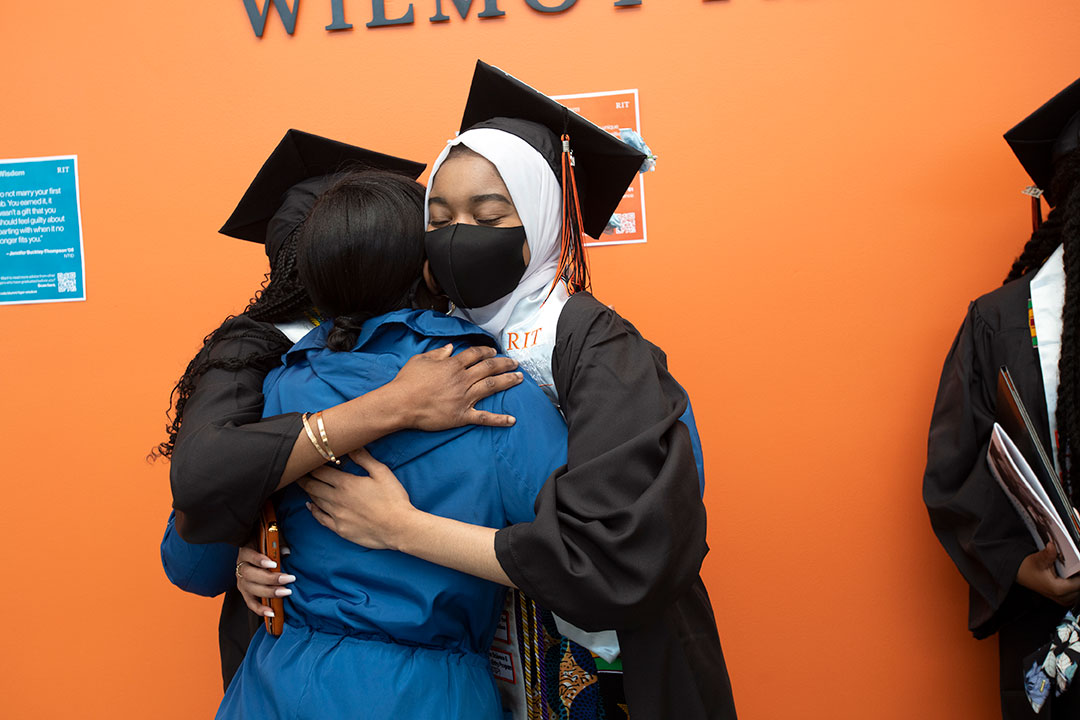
{"x": 624, "y": 223}
{"x": 65, "y": 282}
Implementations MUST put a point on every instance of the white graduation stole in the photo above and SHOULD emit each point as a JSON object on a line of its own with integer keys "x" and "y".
{"x": 529, "y": 336}
{"x": 1047, "y": 304}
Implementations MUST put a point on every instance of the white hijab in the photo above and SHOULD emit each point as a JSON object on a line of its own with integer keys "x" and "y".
{"x": 523, "y": 322}
{"x": 528, "y": 311}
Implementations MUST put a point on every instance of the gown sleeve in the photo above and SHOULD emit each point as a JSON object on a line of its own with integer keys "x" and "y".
{"x": 207, "y": 570}
{"x": 228, "y": 459}
{"x": 620, "y": 529}
{"x": 970, "y": 514}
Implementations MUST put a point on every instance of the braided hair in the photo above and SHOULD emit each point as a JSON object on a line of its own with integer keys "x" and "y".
{"x": 281, "y": 298}
{"x": 1062, "y": 227}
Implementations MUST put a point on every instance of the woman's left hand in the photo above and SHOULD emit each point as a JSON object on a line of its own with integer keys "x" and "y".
{"x": 370, "y": 511}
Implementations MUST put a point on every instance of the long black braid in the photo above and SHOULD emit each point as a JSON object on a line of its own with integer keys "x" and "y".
{"x": 281, "y": 298}
{"x": 1062, "y": 227}
{"x": 1041, "y": 246}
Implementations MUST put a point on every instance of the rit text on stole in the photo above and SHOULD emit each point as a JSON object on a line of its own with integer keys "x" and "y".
{"x": 513, "y": 338}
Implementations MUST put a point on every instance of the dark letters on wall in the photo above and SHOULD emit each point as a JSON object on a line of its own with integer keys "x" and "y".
{"x": 259, "y": 10}
{"x": 491, "y": 9}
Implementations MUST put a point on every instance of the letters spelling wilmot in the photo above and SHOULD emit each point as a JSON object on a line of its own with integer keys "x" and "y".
{"x": 258, "y": 15}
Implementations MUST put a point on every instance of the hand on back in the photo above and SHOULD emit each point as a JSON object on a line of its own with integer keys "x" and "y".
{"x": 440, "y": 390}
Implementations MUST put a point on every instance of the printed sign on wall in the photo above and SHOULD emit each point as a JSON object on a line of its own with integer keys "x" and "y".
{"x": 615, "y": 111}
{"x": 41, "y": 254}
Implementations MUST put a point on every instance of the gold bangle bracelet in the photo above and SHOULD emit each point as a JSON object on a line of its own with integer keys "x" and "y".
{"x": 311, "y": 436}
{"x": 326, "y": 442}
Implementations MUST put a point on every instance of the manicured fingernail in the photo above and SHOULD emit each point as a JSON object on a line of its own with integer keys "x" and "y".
{"x": 519, "y": 376}
{"x": 510, "y": 421}
{"x": 284, "y": 578}
{"x": 286, "y": 551}
{"x": 268, "y": 564}
{"x": 269, "y": 613}
{"x": 283, "y": 592}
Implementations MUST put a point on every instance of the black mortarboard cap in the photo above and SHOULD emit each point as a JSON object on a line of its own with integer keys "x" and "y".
{"x": 1045, "y": 136}
{"x": 298, "y": 158}
{"x": 604, "y": 165}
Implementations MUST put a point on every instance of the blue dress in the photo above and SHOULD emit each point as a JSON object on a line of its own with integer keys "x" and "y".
{"x": 375, "y": 633}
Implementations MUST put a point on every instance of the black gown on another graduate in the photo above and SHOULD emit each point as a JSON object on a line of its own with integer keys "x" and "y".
{"x": 969, "y": 512}
{"x": 619, "y": 534}
{"x": 220, "y": 502}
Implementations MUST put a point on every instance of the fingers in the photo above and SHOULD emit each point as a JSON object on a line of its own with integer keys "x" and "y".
{"x": 485, "y": 387}
{"x": 322, "y": 517}
{"x": 1048, "y": 555}
{"x": 364, "y": 459}
{"x": 255, "y": 583}
{"x": 254, "y": 558}
{"x": 255, "y": 605}
{"x": 1066, "y": 592}
{"x": 439, "y": 353}
{"x": 490, "y": 367}
{"x": 253, "y": 576}
{"x": 482, "y": 417}
{"x": 329, "y": 475}
{"x": 318, "y": 490}
{"x": 470, "y": 356}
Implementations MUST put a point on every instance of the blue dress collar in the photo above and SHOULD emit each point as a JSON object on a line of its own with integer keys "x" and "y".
{"x": 426, "y": 323}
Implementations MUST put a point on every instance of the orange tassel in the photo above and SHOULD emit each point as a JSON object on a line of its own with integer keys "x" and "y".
{"x": 573, "y": 265}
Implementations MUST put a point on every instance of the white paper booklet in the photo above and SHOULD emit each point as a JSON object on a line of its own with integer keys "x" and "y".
{"x": 1029, "y": 498}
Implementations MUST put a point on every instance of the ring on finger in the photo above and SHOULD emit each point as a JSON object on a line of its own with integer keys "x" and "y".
{"x": 239, "y": 575}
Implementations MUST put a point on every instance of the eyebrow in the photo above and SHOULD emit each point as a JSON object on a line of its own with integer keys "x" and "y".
{"x": 489, "y": 197}
{"x": 475, "y": 199}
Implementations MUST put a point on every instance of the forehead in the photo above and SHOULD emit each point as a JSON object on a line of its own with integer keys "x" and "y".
{"x": 465, "y": 174}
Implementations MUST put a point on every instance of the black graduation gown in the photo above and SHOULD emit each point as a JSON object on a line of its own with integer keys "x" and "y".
{"x": 214, "y": 501}
{"x": 969, "y": 512}
{"x": 619, "y": 534}
{"x": 218, "y": 501}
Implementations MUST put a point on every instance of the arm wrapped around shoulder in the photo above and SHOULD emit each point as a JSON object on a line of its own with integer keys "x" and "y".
{"x": 620, "y": 530}
{"x": 227, "y": 459}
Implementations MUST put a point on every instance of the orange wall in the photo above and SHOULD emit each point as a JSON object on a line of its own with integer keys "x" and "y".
{"x": 832, "y": 190}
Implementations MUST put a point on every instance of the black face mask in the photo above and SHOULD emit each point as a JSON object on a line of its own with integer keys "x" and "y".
{"x": 476, "y": 265}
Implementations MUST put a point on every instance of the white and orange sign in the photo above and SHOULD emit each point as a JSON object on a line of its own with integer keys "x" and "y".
{"x": 614, "y": 111}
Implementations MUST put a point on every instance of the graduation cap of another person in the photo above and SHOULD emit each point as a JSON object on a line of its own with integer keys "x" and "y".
{"x": 1041, "y": 139}
{"x": 593, "y": 183}
{"x": 298, "y": 171}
